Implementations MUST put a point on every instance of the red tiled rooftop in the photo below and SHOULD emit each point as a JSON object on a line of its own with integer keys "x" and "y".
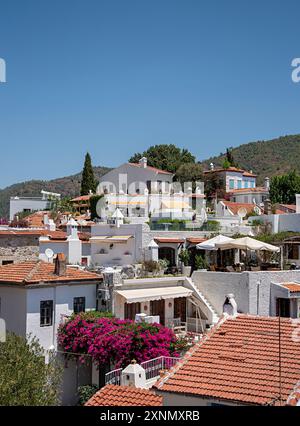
{"x": 231, "y": 169}
{"x": 257, "y": 189}
{"x": 195, "y": 240}
{"x": 239, "y": 361}
{"x": 169, "y": 240}
{"x": 81, "y": 198}
{"x": 292, "y": 287}
{"x": 234, "y": 207}
{"x": 113, "y": 395}
{"x": 35, "y": 272}
{"x": 151, "y": 168}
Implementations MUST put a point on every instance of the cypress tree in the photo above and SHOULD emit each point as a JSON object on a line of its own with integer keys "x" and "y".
{"x": 88, "y": 182}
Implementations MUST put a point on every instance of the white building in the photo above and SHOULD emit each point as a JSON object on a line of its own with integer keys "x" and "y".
{"x": 134, "y": 178}
{"x": 35, "y": 297}
{"x": 31, "y": 204}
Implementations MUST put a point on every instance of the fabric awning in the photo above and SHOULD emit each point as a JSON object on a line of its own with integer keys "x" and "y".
{"x": 114, "y": 239}
{"x": 157, "y": 293}
{"x": 247, "y": 243}
{"x": 212, "y": 243}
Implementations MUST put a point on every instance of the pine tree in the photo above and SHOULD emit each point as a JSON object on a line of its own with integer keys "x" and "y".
{"x": 88, "y": 182}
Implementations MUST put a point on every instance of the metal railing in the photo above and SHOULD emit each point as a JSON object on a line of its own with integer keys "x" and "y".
{"x": 151, "y": 367}
{"x": 155, "y": 365}
{"x": 113, "y": 377}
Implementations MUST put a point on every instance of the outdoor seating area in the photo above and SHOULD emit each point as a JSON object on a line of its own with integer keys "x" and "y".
{"x": 225, "y": 254}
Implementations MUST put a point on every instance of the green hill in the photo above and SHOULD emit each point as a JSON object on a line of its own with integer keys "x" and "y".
{"x": 265, "y": 158}
{"x": 66, "y": 186}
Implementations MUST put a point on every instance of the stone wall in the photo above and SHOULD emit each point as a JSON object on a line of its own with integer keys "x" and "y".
{"x": 19, "y": 248}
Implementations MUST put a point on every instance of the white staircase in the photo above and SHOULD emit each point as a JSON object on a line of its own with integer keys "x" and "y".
{"x": 203, "y": 303}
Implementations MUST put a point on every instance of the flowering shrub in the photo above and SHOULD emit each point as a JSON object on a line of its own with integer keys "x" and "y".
{"x": 117, "y": 342}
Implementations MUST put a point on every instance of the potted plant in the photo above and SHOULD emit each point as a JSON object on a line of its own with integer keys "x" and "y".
{"x": 185, "y": 256}
{"x": 163, "y": 264}
{"x": 200, "y": 263}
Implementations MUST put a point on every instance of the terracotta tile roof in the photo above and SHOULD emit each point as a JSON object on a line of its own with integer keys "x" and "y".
{"x": 154, "y": 169}
{"x": 234, "y": 207}
{"x": 113, "y": 395}
{"x": 292, "y": 287}
{"x": 36, "y": 272}
{"x": 36, "y": 219}
{"x": 168, "y": 240}
{"x": 239, "y": 361}
{"x": 195, "y": 240}
{"x": 241, "y": 190}
{"x": 231, "y": 169}
{"x": 81, "y": 198}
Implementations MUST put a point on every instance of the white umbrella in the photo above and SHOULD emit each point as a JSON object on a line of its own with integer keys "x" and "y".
{"x": 247, "y": 243}
{"x": 211, "y": 244}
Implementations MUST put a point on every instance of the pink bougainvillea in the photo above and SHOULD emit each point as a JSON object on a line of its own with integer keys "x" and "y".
{"x": 116, "y": 342}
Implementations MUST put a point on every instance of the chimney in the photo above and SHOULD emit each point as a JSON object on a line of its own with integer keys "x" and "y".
{"x": 267, "y": 184}
{"x": 230, "y": 306}
{"x": 267, "y": 207}
{"x": 60, "y": 265}
{"x": 297, "y": 203}
{"x": 212, "y": 166}
{"x": 134, "y": 375}
{"x": 143, "y": 162}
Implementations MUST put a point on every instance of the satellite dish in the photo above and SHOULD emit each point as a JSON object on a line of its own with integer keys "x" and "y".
{"x": 242, "y": 212}
{"x": 49, "y": 253}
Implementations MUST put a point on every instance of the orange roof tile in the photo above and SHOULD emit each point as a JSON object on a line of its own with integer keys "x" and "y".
{"x": 292, "y": 287}
{"x": 113, "y": 395}
{"x": 240, "y": 190}
{"x": 239, "y": 361}
{"x": 195, "y": 240}
{"x": 26, "y": 273}
{"x": 81, "y": 198}
{"x": 169, "y": 240}
{"x": 231, "y": 169}
{"x": 234, "y": 207}
{"x": 151, "y": 168}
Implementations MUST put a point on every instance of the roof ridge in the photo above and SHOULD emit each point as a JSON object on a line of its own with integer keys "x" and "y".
{"x": 32, "y": 271}
{"x": 189, "y": 353}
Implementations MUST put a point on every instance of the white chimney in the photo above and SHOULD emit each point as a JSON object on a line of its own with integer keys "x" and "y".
{"x": 230, "y": 305}
{"x": 297, "y": 203}
{"x": 134, "y": 375}
{"x": 212, "y": 166}
{"x": 143, "y": 162}
{"x": 267, "y": 183}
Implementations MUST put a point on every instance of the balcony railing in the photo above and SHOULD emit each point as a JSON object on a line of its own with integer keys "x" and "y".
{"x": 113, "y": 377}
{"x": 155, "y": 365}
{"x": 151, "y": 367}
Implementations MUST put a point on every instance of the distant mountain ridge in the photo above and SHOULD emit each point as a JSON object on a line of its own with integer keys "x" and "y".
{"x": 66, "y": 186}
{"x": 265, "y": 158}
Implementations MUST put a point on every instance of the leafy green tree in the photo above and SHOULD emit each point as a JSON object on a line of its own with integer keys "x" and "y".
{"x": 165, "y": 157}
{"x": 214, "y": 186}
{"x": 229, "y": 160}
{"x": 93, "y": 205}
{"x": 189, "y": 172}
{"x": 25, "y": 379}
{"x": 283, "y": 188}
{"x": 88, "y": 182}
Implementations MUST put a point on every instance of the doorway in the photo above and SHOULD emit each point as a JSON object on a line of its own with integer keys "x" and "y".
{"x": 180, "y": 308}
{"x": 157, "y": 307}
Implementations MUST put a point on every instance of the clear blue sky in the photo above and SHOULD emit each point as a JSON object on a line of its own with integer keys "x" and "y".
{"x": 113, "y": 77}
